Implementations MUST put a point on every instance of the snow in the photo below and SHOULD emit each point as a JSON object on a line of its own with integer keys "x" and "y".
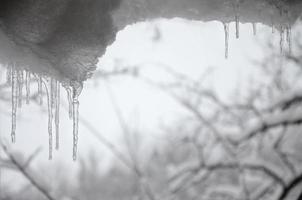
{"x": 66, "y": 41}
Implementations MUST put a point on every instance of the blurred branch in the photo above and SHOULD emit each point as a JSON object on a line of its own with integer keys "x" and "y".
{"x": 105, "y": 142}
{"x": 296, "y": 59}
{"x": 254, "y": 167}
{"x": 24, "y": 172}
{"x": 117, "y": 72}
{"x": 120, "y": 156}
{"x": 264, "y": 191}
{"x": 198, "y": 115}
{"x": 284, "y": 156}
{"x": 271, "y": 121}
{"x": 31, "y": 158}
{"x": 143, "y": 180}
{"x": 289, "y": 187}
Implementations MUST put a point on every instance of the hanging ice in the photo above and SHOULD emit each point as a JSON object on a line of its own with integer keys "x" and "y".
{"x": 27, "y": 85}
{"x": 236, "y": 8}
{"x": 20, "y": 87}
{"x": 50, "y": 138}
{"x": 14, "y": 103}
{"x": 69, "y": 98}
{"x": 76, "y": 91}
{"x": 9, "y": 76}
{"x": 57, "y": 114}
{"x": 289, "y": 38}
{"x": 53, "y": 92}
{"x": 255, "y": 29}
{"x": 237, "y": 25}
{"x": 281, "y": 38}
{"x": 40, "y": 90}
{"x": 226, "y": 39}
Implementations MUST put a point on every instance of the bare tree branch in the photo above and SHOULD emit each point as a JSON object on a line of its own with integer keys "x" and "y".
{"x": 24, "y": 172}
{"x": 289, "y": 187}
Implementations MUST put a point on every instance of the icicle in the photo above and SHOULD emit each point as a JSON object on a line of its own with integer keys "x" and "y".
{"x": 255, "y": 29}
{"x": 27, "y": 85}
{"x": 281, "y": 39}
{"x": 237, "y": 25}
{"x": 76, "y": 91}
{"x": 273, "y": 28}
{"x": 57, "y": 114}
{"x": 289, "y": 38}
{"x": 236, "y": 7}
{"x": 53, "y": 92}
{"x": 9, "y": 76}
{"x": 49, "y": 120}
{"x": 69, "y": 97}
{"x": 14, "y": 103}
{"x": 40, "y": 90}
{"x": 226, "y": 35}
{"x": 20, "y": 88}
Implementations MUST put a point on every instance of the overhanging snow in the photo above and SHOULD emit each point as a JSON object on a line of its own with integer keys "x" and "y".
{"x": 64, "y": 38}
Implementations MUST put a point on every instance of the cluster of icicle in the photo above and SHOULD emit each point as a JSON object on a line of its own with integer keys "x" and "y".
{"x": 285, "y": 31}
{"x": 18, "y": 78}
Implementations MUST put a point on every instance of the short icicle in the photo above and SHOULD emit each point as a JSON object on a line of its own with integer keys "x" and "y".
{"x": 69, "y": 97}
{"x": 76, "y": 91}
{"x": 237, "y": 20}
{"x": 226, "y": 39}
{"x": 14, "y": 103}
{"x": 57, "y": 114}
{"x": 255, "y": 29}
{"x": 236, "y": 7}
{"x": 27, "y": 85}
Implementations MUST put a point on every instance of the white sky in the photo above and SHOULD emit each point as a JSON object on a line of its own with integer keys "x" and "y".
{"x": 186, "y": 46}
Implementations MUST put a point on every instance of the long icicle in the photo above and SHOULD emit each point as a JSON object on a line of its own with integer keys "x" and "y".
{"x": 14, "y": 103}
{"x": 76, "y": 91}
{"x": 57, "y": 115}
{"x": 40, "y": 90}
{"x": 226, "y": 39}
{"x": 289, "y": 38}
{"x": 20, "y": 87}
{"x": 50, "y": 137}
{"x": 281, "y": 39}
{"x": 9, "y": 75}
{"x": 27, "y": 85}
{"x": 53, "y": 92}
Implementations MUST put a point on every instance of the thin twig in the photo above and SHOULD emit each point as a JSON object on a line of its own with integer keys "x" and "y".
{"x": 24, "y": 172}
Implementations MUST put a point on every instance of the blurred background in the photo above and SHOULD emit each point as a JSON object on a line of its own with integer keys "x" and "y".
{"x": 166, "y": 116}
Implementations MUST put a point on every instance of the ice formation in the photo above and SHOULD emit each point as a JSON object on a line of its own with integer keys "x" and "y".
{"x": 226, "y": 39}
{"x": 254, "y": 28}
{"x": 58, "y": 42}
